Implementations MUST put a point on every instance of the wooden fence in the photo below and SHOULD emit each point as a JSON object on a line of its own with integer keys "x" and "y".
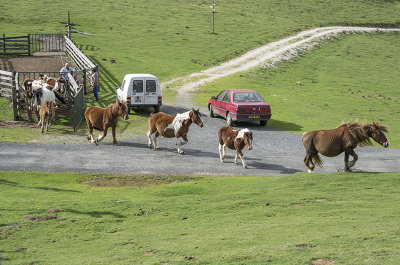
{"x": 15, "y": 45}
{"x": 8, "y": 89}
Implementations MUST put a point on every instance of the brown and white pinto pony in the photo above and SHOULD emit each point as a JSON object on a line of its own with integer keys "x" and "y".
{"x": 344, "y": 138}
{"x": 28, "y": 93}
{"x": 46, "y": 113}
{"x": 235, "y": 140}
{"x": 57, "y": 83}
{"x": 103, "y": 118}
{"x": 172, "y": 126}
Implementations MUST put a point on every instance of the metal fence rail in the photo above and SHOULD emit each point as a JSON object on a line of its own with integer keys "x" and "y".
{"x": 47, "y": 42}
{"x": 19, "y": 45}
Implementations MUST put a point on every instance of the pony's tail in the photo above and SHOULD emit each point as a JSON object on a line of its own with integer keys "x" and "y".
{"x": 308, "y": 142}
{"x": 60, "y": 98}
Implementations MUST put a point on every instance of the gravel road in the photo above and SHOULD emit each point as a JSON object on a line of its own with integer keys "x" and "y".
{"x": 274, "y": 153}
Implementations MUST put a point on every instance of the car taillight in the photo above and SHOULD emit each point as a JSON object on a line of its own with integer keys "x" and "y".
{"x": 159, "y": 99}
{"x": 128, "y": 100}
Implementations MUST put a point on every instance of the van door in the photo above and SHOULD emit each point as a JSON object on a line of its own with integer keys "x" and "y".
{"x": 137, "y": 91}
{"x": 151, "y": 92}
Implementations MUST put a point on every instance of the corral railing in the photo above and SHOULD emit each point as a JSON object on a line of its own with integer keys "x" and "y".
{"x": 81, "y": 61}
{"x": 8, "y": 89}
{"x": 79, "y": 99}
{"x": 19, "y": 45}
{"x": 47, "y": 42}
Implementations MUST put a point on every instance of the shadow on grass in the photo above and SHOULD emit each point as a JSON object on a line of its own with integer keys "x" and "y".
{"x": 96, "y": 214}
{"x": 16, "y": 184}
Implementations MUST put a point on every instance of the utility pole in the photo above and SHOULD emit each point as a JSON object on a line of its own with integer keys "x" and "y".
{"x": 213, "y": 15}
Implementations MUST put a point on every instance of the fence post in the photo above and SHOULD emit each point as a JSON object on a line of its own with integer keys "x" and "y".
{"x": 14, "y": 97}
{"x": 84, "y": 81}
{"x": 29, "y": 44}
{"x": 4, "y": 42}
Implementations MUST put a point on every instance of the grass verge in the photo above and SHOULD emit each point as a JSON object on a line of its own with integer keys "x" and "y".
{"x": 346, "y": 218}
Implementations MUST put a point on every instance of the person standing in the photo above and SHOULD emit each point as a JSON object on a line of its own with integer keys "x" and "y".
{"x": 94, "y": 81}
{"x": 64, "y": 71}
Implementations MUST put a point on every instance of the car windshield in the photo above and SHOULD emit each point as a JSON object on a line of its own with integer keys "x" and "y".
{"x": 247, "y": 97}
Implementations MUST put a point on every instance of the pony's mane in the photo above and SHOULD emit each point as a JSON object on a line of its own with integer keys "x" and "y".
{"x": 242, "y": 132}
{"x": 358, "y": 131}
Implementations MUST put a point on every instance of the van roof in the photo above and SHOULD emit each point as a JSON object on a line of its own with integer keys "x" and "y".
{"x": 130, "y": 76}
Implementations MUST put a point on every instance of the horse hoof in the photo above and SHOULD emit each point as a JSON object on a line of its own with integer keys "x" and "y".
{"x": 181, "y": 152}
{"x": 245, "y": 166}
{"x": 115, "y": 143}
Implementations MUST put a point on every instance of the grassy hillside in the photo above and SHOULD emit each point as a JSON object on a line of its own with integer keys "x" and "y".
{"x": 344, "y": 218}
{"x": 354, "y": 77}
{"x": 171, "y": 39}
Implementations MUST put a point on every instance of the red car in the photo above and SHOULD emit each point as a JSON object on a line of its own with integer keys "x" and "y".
{"x": 240, "y": 105}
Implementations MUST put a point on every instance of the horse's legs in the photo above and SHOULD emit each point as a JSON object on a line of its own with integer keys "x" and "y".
{"x": 239, "y": 152}
{"x": 308, "y": 163}
{"x": 155, "y": 135}
{"x": 42, "y": 125}
{"x": 179, "y": 144}
{"x": 101, "y": 136}
{"x": 348, "y": 164}
{"x": 149, "y": 142}
{"x": 90, "y": 136}
{"x": 115, "y": 142}
{"x": 221, "y": 152}
{"x": 236, "y": 157}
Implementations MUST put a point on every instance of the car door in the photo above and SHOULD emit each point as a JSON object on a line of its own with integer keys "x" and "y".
{"x": 137, "y": 85}
{"x": 225, "y": 103}
{"x": 217, "y": 109}
{"x": 151, "y": 92}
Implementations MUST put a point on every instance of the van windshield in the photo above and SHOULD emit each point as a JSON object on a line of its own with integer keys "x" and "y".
{"x": 137, "y": 86}
{"x": 151, "y": 86}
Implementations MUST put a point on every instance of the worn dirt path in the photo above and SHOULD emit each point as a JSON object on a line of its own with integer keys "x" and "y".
{"x": 266, "y": 54}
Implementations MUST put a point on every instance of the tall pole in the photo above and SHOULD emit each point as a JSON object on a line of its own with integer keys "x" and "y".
{"x": 69, "y": 26}
{"x": 213, "y": 15}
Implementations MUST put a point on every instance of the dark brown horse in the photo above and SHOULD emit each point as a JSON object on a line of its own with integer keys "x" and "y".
{"x": 172, "y": 126}
{"x": 103, "y": 118}
{"x": 235, "y": 140}
{"x": 28, "y": 93}
{"x": 344, "y": 138}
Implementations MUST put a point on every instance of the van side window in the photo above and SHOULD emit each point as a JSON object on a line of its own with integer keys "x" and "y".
{"x": 151, "y": 86}
{"x": 137, "y": 86}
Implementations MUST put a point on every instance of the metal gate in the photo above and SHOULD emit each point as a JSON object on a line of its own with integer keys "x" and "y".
{"x": 47, "y": 42}
{"x": 78, "y": 96}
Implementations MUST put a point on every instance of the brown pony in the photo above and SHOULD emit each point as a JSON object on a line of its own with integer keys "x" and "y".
{"x": 235, "y": 140}
{"x": 58, "y": 84}
{"x": 172, "y": 126}
{"x": 28, "y": 93}
{"x": 46, "y": 113}
{"x": 103, "y": 118}
{"x": 344, "y": 138}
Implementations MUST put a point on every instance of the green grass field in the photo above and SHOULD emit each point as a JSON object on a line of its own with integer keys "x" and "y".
{"x": 349, "y": 78}
{"x": 173, "y": 39}
{"x": 344, "y": 218}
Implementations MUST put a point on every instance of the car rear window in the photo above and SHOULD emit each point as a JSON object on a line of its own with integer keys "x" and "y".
{"x": 247, "y": 97}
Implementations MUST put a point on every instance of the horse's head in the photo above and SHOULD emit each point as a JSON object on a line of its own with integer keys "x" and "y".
{"x": 376, "y": 131}
{"x": 248, "y": 139}
{"x": 28, "y": 90}
{"x": 195, "y": 116}
{"x": 123, "y": 110}
{"x": 61, "y": 84}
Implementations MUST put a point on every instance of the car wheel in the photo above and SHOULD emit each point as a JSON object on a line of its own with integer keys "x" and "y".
{"x": 156, "y": 109}
{"x": 263, "y": 123}
{"x": 229, "y": 120}
{"x": 211, "y": 112}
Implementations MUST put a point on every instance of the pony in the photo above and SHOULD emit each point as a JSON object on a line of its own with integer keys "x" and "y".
{"x": 28, "y": 93}
{"x": 103, "y": 118}
{"x": 58, "y": 84}
{"x": 46, "y": 113}
{"x": 46, "y": 93}
{"x": 235, "y": 140}
{"x": 161, "y": 124}
{"x": 344, "y": 138}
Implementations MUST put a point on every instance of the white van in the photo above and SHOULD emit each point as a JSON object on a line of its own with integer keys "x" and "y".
{"x": 140, "y": 90}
